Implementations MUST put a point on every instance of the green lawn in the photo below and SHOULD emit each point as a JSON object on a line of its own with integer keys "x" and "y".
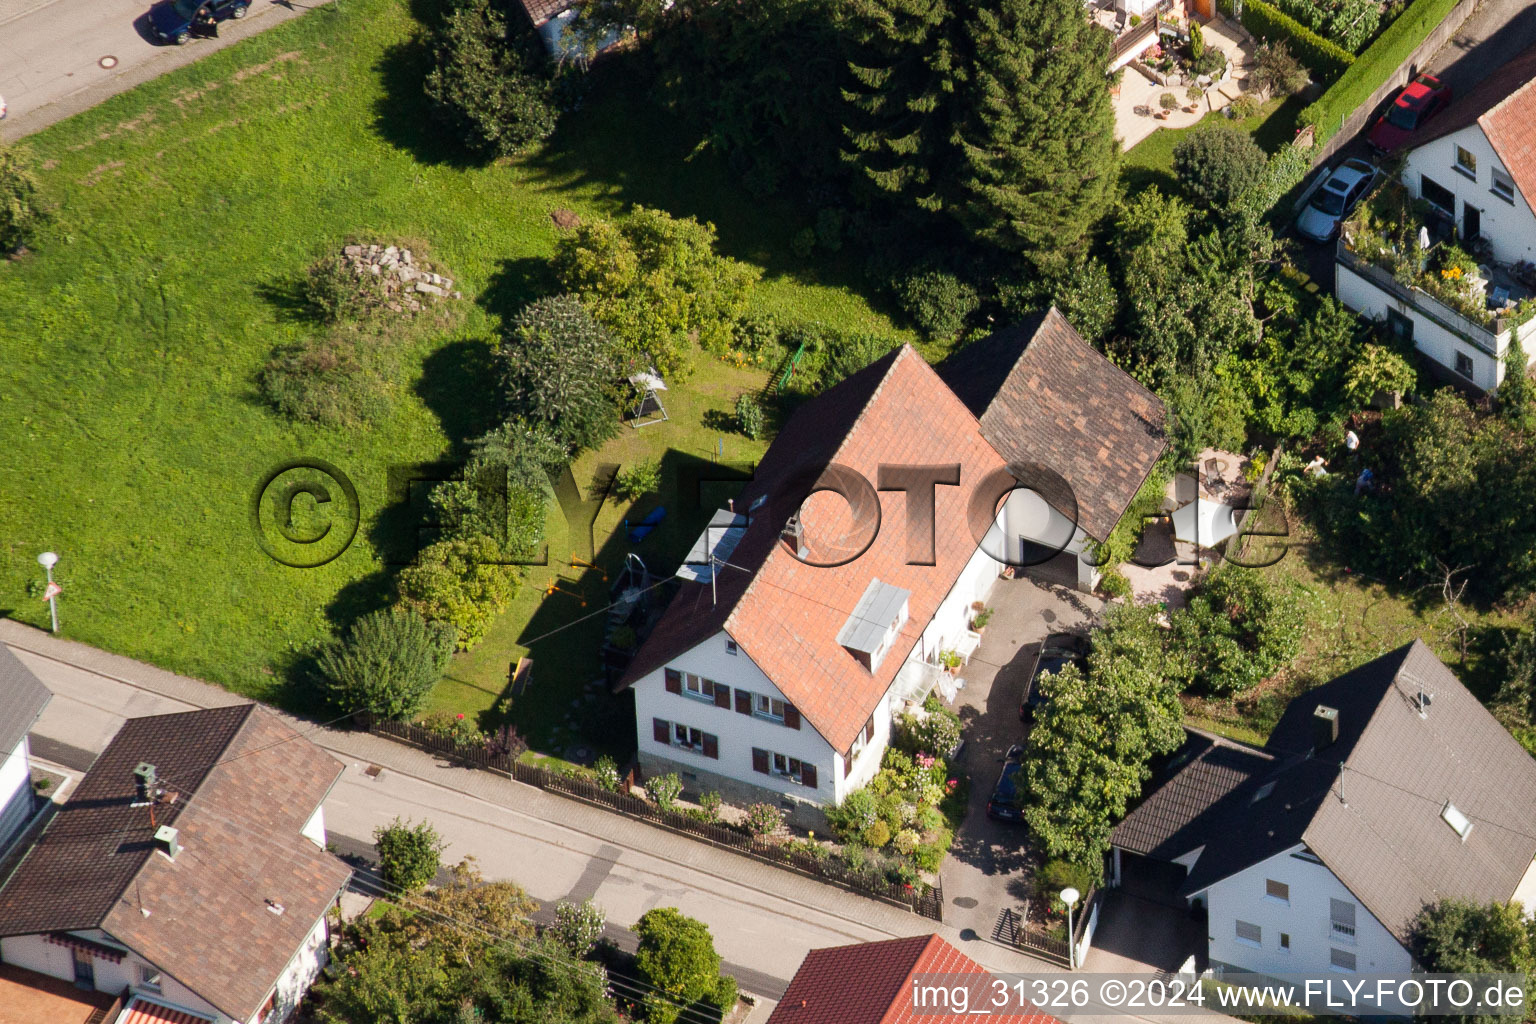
{"x": 1150, "y": 161}
{"x": 132, "y": 334}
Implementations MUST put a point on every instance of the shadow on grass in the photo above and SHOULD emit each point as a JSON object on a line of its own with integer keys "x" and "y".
{"x": 405, "y": 118}
{"x": 514, "y": 284}
{"x": 460, "y": 384}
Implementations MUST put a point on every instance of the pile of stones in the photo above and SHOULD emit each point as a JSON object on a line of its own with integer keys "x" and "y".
{"x": 407, "y": 281}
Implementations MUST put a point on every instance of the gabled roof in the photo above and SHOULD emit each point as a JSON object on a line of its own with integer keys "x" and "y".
{"x": 870, "y": 983}
{"x": 1369, "y": 804}
{"x": 540, "y": 11}
{"x": 1044, "y": 395}
{"x": 245, "y": 784}
{"x": 22, "y": 699}
{"x": 1503, "y": 105}
{"x": 1169, "y": 823}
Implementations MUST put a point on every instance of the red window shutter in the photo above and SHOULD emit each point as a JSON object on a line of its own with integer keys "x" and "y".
{"x": 808, "y": 774}
{"x": 791, "y": 715}
{"x": 760, "y": 760}
{"x": 869, "y": 729}
{"x": 674, "y": 681}
{"x": 722, "y": 696}
{"x": 744, "y": 702}
{"x": 712, "y": 746}
{"x": 661, "y": 731}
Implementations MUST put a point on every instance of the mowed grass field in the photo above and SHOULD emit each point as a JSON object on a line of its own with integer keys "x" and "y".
{"x": 131, "y": 336}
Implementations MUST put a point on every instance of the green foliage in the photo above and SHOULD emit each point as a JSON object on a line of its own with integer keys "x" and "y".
{"x": 387, "y": 663}
{"x": 763, "y": 820}
{"x": 1454, "y": 936}
{"x": 337, "y": 293}
{"x": 1326, "y": 59}
{"x": 1218, "y": 166}
{"x": 749, "y": 416}
{"x": 935, "y": 733}
{"x": 1094, "y": 738}
{"x": 1373, "y": 67}
{"x": 23, "y": 213}
{"x": 1056, "y": 875}
{"x": 1515, "y": 399}
{"x": 504, "y": 492}
{"x": 665, "y": 789}
{"x": 1296, "y": 376}
{"x": 938, "y": 302}
{"x": 1196, "y": 40}
{"x": 638, "y": 478}
{"x": 876, "y": 835}
{"x": 1378, "y": 368}
{"x": 561, "y": 368}
{"x": 804, "y": 243}
{"x": 830, "y": 355}
{"x": 655, "y": 281}
{"x": 710, "y": 803}
{"x": 462, "y": 582}
{"x": 676, "y": 957}
{"x": 579, "y": 925}
{"x": 606, "y": 771}
{"x": 409, "y": 854}
{"x": 334, "y": 379}
{"x": 1276, "y": 70}
{"x": 1238, "y": 629}
{"x": 489, "y": 80}
{"x": 1516, "y": 698}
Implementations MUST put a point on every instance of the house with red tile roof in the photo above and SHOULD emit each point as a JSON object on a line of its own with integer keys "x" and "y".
{"x": 884, "y": 983}
{"x": 186, "y": 875}
{"x": 1475, "y": 167}
{"x": 822, "y": 601}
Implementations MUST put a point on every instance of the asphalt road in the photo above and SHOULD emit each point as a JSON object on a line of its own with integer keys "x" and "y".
{"x": 59, "y": 57}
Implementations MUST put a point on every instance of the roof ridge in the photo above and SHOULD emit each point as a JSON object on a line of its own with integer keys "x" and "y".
{"x": 776, "y": 551}
{"x": 897, "y": 1007}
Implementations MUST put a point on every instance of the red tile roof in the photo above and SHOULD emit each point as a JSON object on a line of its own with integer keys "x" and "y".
{"x": 1503, "y": 105}
{"x": 870, "y": 983}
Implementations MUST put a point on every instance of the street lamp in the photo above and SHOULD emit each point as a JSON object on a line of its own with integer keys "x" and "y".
{"x": 1070, "y": 896}
{"x": 48, "y": 560}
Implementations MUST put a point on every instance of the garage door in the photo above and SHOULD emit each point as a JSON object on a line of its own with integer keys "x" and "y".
{"x": 1154, "y": 880}
{"x": 1059, "y": 569}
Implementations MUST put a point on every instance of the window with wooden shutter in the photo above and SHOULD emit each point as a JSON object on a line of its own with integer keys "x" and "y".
{"x": 661, "y": 731}
{"x": 744, "y": 702}
{"x": 760, "y": 760}
{"x": 869, "y": 729}
{"x": 712, "y": 746}
{"x": 674, "y": 681}
{"x": 807, "y": 774}
{"x": 722, "y": 696}
{"x": 791, "y": 716}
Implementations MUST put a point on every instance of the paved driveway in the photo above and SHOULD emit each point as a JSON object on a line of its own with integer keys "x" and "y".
{"x": 985, "y": 871}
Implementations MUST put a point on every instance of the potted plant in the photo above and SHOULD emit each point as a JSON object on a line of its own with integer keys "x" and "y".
{"x": 982, "y": 616}
{"x": 950, "y": 660}
{"x": 1194, "y": 94}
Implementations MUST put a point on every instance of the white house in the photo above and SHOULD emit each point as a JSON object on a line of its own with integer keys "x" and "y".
{"x": 1381, "y": 792}
{"x": 22, "y": 699}
{"x": 186, "y": 874}
{"x": 1475, "y": 166}
{"x": 818, "y": 606}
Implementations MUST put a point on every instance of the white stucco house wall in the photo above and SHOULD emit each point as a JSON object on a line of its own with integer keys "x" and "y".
{"x": 1378, "y": 794}
{"x": 1473, "y": 165}
{"x": 190, "y": 887}
{"x": 807, "y": 620}
{"x": 22, "y": 699}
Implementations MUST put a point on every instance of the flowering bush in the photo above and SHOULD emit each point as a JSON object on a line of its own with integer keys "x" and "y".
{"x": 906, "y": 841}
{"x": 454, "y": 727}
{"x": 763, "y": 820}
{"x": 664, "y": 789}
{"x": 606, "y": 772}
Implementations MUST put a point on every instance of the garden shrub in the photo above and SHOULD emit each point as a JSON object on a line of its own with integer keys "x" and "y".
{"x": 1378, "y": 369}
{"x": 22, "y": 210}
{"x": 1326, "y": 59}
{"x": 938, "y": 302}
{"x": 1276, "y": 70}
{"x": 935, "y": 734}
{"x": 505, "y": 742}
{"x": 876, "y": 835}
{"x": 504, "y": 493}
{"x": 456, "y": 727}
{"x": 491, "y": 80}
{"x": 336, "y": 293}
{"x": 460, "y": 582}
{"x": 676, "y": 959}
{"x": 710, "y": 803}
{"x": 637, "y": 479}
{"x": 606, "y": 772}
{"x": 1057, "y": 874}
{"x": 749, "y": 416}
{"x": 561, "y": 368}
{"x": 409, "y": 855}
{"x": 763, "y": 820}
{"x": 857, "y": 812}
{"x": 829, "y": 228}
{"x": 387, "y": 663}
{"x": 829, "y": 354}
{"x": 665, "y": 789}
{"x": 331, "y": 379}
{"x": 803, "y": 243}
{"x": 1237, "y": 630}
{"x": 579, "y": 925}
{"x": 1218, "y": 165}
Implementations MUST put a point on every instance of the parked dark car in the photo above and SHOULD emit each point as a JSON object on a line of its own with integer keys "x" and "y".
{"x": 1003, "y": 805}
{"x": 1057, "y": 651}
{"x": 172, "y": 21}
{"x": 1421, "y": 99}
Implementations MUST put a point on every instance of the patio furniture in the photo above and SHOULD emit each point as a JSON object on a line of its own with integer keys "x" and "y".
{"x": 1213, "y": 470}
{"x": 1498, "y": 297}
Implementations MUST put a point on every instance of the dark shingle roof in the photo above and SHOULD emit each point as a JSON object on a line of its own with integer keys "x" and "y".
{"x": 22, "y": 698}
{"x": 540, "y": 11}
{"x": 1168, "y": 823}
{"x": 245, "y": 786}
{"x": 1369, "y": 804}
{"x": 1044, "y": 395}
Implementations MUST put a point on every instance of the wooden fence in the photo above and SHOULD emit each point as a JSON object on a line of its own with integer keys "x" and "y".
{"x": 1033, "y": 937}
{"x": 921, "y": 898}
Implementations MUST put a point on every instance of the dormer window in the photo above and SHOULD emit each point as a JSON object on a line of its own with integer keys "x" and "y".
{"x": 871, "y": 630}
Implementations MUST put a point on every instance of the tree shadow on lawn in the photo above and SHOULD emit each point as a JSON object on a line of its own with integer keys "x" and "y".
{"x": 406, "y": 118}
{"x": 514, "y": 284}
{"x": 460, "y": 384}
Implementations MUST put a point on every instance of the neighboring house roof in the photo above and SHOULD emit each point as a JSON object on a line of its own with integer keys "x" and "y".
{"x": 22, "y": 699}
{"x": 1044, "y": 395}
{"x": 540, "y": 11}
{"x": 244, "y": 785}
{"x": 1169, "y": 823}
{"x": 1503, "y": 105}
{"x": 1369, "y": 804}
{"x": 870, "y": 983}
{"x": 785, "y": 615}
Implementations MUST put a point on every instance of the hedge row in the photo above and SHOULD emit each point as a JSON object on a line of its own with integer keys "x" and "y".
{"x": 1326, "y": 59}
{"x": 1373, "y": 67}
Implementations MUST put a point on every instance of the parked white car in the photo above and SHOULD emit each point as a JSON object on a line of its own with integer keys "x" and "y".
{"x": 1335, "y": 198}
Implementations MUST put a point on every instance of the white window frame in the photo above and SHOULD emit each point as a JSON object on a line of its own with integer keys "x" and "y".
{"x": 1462, "y": 168}
{"x": 682, "y": 737}
{"x": 149, "y": 979}
{"x": 1258, "y": 930}
{"x": 1270, "y": 884}
{"x": 762, "y": 707}
{"x": 731, "y": 648}
{"x": 791, "y": 769}
{"x": 695, "y": 686}
{"x": 1334, "y": 965}
{"x": 1505, "y": 188}
{"x": 1337, "y": 929}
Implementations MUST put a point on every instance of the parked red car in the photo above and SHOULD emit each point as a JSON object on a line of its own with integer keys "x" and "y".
{"x": 1421, "y": 99}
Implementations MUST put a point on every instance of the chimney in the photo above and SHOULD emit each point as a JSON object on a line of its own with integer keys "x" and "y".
{"x": 165, "y": 841}
{"x": 1325, "y": 727}
{"x": 794, "y": 536}
{"x": 144, "y": 782}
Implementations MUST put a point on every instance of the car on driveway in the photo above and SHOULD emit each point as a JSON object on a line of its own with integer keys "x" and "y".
{"x": 172, "y": 20}
{"x": 1003, "y": 804}
{"x": 1057, "y": 651}
{"x": 1334, "y": 199}
{"x": 1421, "y": 99}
